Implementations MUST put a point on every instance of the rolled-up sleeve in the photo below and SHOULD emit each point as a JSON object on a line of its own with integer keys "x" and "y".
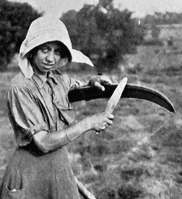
{"x": 25, "y": 114}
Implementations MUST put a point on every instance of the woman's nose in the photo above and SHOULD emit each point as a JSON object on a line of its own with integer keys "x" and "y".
{"x": 50, "y": 57}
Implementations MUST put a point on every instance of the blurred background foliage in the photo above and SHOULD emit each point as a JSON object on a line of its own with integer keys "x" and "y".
{"x": 102, "y": 32}
{"x": 15, "y": 19}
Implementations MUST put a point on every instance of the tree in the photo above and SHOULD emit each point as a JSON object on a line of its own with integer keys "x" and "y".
{"x": 163, "y": 18}
{"x": 15, "y": 20}
{"x": 104, "y": 31}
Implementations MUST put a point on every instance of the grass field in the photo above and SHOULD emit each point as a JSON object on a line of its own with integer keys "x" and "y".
{"x": 140, "y": 156}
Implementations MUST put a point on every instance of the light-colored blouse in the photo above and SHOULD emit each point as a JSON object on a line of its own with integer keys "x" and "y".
{"x": 35, "y": 105}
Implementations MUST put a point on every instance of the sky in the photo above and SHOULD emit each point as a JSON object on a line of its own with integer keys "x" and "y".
{"x": 139, "y": 7}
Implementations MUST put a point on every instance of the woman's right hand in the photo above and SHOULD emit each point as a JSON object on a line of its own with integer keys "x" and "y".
{"x": 101, "y": 121}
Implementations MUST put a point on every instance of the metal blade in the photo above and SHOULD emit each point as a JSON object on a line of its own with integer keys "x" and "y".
{"x": 114, "y": 99}
{"x": 88, "y": 93}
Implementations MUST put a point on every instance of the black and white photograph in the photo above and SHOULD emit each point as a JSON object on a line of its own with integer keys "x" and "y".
{"x": 90, "y": 99}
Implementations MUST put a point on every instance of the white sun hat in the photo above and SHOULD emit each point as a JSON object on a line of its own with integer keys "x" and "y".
{"x": 46, "y": 29}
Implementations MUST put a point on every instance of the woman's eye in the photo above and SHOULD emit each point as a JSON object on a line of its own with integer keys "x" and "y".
{"x": 44, "y": 49}
{"x": 58, "y": 52}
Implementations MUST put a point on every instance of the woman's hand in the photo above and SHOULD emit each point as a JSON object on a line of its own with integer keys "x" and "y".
{"x": 47, "y": 142}
{"x": 101, "y": 121}
{"x": 99, "y": 81}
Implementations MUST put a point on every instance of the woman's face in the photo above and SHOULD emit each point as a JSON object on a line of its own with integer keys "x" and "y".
{"x": 46, "y": 57}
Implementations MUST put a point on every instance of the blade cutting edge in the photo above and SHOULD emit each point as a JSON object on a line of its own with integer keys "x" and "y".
{"x": 114, "y": 99}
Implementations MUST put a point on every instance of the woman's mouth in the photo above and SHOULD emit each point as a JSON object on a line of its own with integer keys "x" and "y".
{"x": 48, "y": 65}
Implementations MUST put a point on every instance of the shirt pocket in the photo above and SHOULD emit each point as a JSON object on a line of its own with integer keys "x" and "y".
{"x": 16, "y": 194}
{"x": 66, "y": 115}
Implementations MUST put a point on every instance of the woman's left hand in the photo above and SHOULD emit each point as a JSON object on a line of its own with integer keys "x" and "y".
{"x": 99, "y": 81}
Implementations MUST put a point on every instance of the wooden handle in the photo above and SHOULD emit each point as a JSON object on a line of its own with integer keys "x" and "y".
{"x": 84, "y": 191}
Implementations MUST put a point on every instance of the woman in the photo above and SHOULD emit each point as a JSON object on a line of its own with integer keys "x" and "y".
{"x": 42, "y": 118}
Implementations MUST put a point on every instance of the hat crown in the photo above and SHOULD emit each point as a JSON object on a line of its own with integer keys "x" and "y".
{"x": 45, "y": 29}
{"x": 43, "y": 24}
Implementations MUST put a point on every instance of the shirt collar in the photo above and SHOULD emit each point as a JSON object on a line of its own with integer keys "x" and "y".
{"x": 41, "y": 82}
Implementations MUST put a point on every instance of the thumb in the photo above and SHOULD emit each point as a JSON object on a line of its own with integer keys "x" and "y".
{"x": 99, "y": 86}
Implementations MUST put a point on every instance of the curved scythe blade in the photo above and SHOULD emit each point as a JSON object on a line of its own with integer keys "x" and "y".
{"x": 131, "y": 91}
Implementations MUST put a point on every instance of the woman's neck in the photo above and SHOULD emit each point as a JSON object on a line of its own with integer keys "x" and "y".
{"x": 43, "y": 76}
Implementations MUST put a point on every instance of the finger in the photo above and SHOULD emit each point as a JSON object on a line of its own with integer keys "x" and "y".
{"x": 103, "y": 128}
{"x": 106, "y": 125}
{"x": 105, "y": 79}
{"x": 111, "y": 116}
{"x": 110, "y": 122}
{"x": 99, "y": 86}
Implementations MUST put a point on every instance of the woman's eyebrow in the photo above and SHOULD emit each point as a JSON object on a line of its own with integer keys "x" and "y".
{"x": 59, "y": 48}
{"x": 43, "y": 46}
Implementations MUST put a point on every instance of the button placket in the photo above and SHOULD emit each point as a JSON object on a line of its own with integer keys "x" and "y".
{"x": 53, "y": 113}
